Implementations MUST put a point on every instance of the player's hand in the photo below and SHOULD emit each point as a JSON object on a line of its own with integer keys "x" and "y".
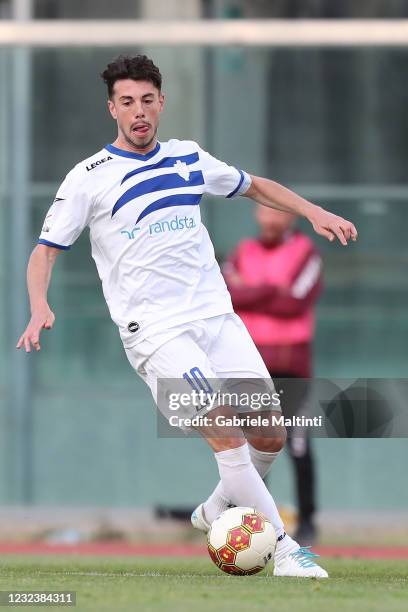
{"x": 331, "y": 226}
{"x": 40, "y": 320}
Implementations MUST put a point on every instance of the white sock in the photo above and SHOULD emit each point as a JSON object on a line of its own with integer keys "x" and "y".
{"x": 216, "y": 504}
{"x": 284, "y": 547}
{"x": 218, "y": 501}
{"x": 243, "y": 485}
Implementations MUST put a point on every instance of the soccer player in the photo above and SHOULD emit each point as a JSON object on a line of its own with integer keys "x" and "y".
{"x": 164, "y": 289}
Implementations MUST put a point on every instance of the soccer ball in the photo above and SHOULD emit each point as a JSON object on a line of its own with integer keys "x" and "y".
{"x": 241, "y": 541}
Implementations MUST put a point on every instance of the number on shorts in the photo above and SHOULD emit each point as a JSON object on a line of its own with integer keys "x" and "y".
{"x": 197, "y": 380}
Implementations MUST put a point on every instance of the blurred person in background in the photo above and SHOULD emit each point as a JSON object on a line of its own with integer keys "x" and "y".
{"x": 275, "y": 280}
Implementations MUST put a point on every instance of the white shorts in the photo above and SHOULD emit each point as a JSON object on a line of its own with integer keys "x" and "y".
{"x": 218, "y": 348}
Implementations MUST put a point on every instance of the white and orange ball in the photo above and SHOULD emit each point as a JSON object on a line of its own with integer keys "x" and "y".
{"x": 241, "y": 541}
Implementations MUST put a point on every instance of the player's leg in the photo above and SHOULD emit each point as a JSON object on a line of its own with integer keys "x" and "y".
{"x": 173, "y": 360}
{"x": 235, "y": 357}
{"x": 265, "y": 445}
{"x": 235, "y": 348}
{"x": 240, "y": 482}
{"x": 239, "y": 478}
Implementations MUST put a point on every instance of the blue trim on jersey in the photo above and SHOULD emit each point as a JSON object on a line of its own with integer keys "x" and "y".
{"x": 53, "y": 244}
{"x": 116, "y": 151}
{"x": 166, "y": 162}
{"x": 230, "y": 195}
{"x": 181, "y": 199}
{"x": 158, "y": 183}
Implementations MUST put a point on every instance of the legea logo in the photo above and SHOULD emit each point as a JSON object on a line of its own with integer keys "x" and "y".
{"x": 160, "y": 227}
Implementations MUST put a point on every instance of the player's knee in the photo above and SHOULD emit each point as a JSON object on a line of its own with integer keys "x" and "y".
{"x": 223, "y": 444}
{"x": 219, "y": 445}
{"x": 271, "y": 442}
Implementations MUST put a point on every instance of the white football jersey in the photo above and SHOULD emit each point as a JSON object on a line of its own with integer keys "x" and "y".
{"x": 153, "y": 254}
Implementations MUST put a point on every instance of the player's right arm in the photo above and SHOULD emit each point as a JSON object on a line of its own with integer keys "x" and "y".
{"x": 39, "y": 271}
{"x": 65, "y": 220}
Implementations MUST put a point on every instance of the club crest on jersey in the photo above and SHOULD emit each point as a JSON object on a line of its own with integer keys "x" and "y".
{"x": 182, "y": 170}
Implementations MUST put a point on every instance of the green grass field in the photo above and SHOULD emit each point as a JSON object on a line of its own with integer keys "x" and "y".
{"x": 194, "y": 584}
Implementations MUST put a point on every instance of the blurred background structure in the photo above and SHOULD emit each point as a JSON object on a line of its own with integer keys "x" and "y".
{"x": 77, "y": 427}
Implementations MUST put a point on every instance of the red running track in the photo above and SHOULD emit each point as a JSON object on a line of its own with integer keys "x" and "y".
{"x": 180, "y": 550}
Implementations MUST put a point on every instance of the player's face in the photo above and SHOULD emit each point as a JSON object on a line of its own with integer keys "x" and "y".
{"x": 136, "y": 106}
{"x": 273, "y": 223}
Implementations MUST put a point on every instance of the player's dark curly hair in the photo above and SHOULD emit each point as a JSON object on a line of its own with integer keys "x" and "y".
{"x": 138, "y": 68}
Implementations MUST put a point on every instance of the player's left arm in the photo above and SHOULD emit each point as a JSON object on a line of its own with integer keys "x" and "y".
{"x": 272, "y": 194}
